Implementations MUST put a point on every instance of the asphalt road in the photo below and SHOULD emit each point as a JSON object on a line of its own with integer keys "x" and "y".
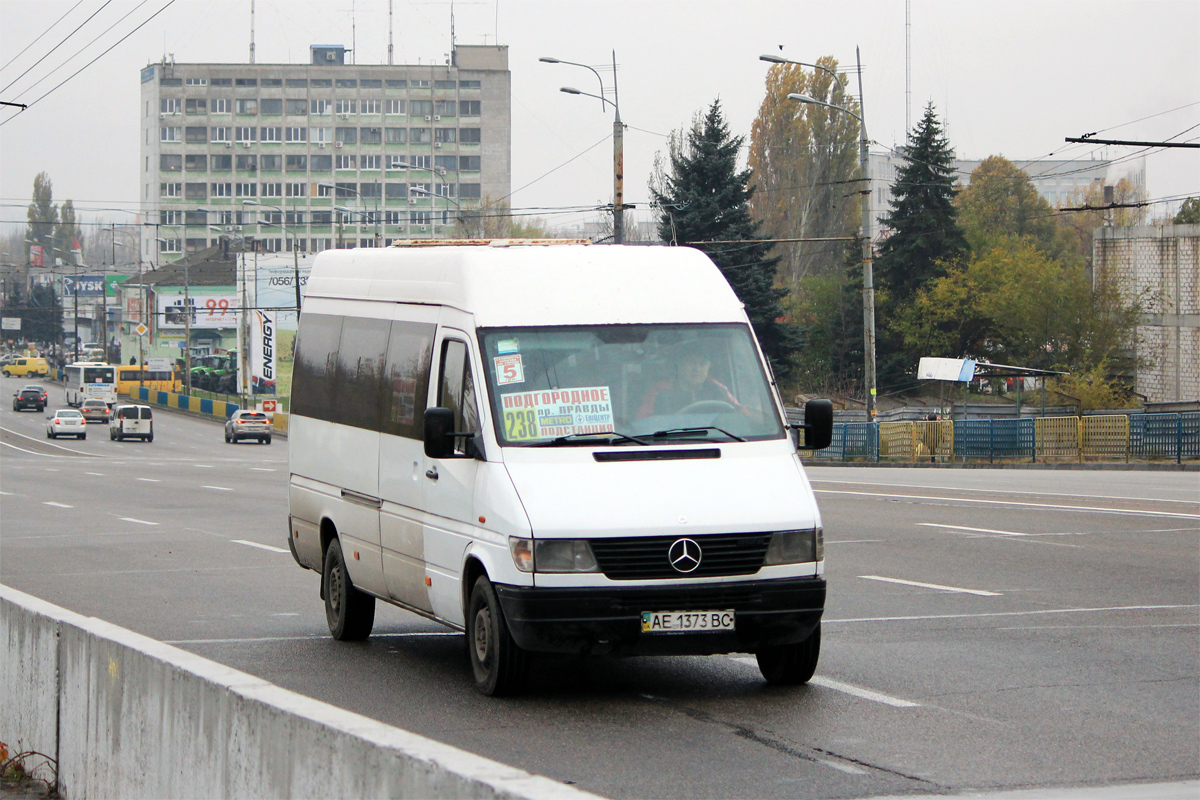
{"x": 985, "y": 629}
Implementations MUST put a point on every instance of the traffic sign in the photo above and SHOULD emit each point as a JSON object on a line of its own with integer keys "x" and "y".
{"x": 269, "y": 405}
{"x": 141, "y": 329}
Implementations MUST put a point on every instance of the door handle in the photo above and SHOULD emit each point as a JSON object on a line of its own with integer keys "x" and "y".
{"x": 432, "y": 473}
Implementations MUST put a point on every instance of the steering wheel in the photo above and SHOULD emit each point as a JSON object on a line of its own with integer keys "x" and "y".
{"x": 707, "y": 407}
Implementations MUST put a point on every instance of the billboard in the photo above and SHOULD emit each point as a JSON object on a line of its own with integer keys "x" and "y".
{"x": 208, "y": 311}
{"x": 262, "y": 352}
{"x": 84, "y": 285}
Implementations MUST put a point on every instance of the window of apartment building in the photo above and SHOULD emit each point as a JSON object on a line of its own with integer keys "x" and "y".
{"x": 444, "y": 163}
{"x": 370, "y": 191}
{"x": 220, "y": 105}
{"x": 195, "y": 191}
{"x": 373, "y": 83}
{"x": 195, "y": 134}
{"x": 195, "y": 245}
{"x": 222, "y": 190}
{"x": 346, "y": 107}
{"x": 195, "y": 218}
{"x": 395, "y": 217}
{"x": 195, "y": 81}
{"x": 444, "y": 108}
{"x": 320, "y": 163}
{"x": 221, "y": 82}
{"x": 222, "y": 163}
{"x": 321, "y": 244}
{"x": 420, "y": 190}
{"x": 420, "y": 162}
{"x": 468, "y": 108}
{"x": 271, "y": 107}
{"x": 246, "y": 134}
{"x": 320, "y": 107}
{"x": 420, "y": 108}
{"x": 169, "y": 105}
{"x": 168, "y": 246}
{"x": 397, "y": 84}
{"x": 219, "y": 133}
{"x": 397, "y": 162}
{"x": 395, "y": 191}
{"x": 270, "y": 163}
{"x": 271, "y": 245}
{"x": 347, "y": 190}
{"x": 371, "y": 107}
{"x": 294, "y": 217}
{"x": 195, "y": 105}
{"x": 320, "y": 83}
{"x": 370, "y": 162}
{"x": 170, "y": 218}
{"x": 346, "y": 135}
{"x": 296, "y": 83}
{"x": 198, "y": 163}
{"x": 471, "y": 163}
{"x": 419, "y": 135}
{"x": 247, "y": 163}
{"x": 246, "y": 105}
{"x": 468, "y": 135}
{"x": 346, "y": 83}
{"x": 229, "y": 218}
{"x": 346, "y": 162}
{"x": 297, "y": 163}
{"x": 419, "y": 83}
{"x": 468, "y": 191}
{"x": 272, "y": 217}
{"x": 169, "y": 133}
{"x": 297, "y": 190}
{"x": 272, "y": 190}
{"x": 322, "y": 218}
{"x": 370, "y": 135}
{"x": 273, "y": 134}
{"x": 245, "y": 81}
{"x": 295, "y": 108}
{"x": 468, "y": 84}
{"x": 395, "y": 107}
{"x": 445, "y": 135}
{"x": 395, "y": 135}
{"x": 419, "y": 217}
{"x": 170, "y": 189}
{"x": 271, "y": 82}
{"x": 293, "y": 134}
{"x": 446, "y": 190}
{"x": 320, "y": 136}
{"x": 247, "y": 190}
{"x": 445, "y": 84}
{"x": 170, "y": 163}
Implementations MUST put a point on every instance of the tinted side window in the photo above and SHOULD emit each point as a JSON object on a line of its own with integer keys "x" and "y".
{"x": 360, "y": 371}
{"x": 406, "y": 379}
{"x": 457, "y": 390}
{"x": 314, "y": 381}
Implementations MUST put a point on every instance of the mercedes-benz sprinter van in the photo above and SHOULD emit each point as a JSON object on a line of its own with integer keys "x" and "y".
{"x": 552, "y": 447}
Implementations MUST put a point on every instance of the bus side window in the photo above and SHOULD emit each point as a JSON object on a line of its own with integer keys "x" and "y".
{"x": 457, "y": 392}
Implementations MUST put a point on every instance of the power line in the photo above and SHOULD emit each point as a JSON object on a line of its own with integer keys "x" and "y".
{"x": 52, "y": 49}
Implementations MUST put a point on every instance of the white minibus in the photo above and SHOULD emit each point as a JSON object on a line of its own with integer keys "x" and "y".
{"x": 553, "y": 448}
{"x": 90, "y": 380}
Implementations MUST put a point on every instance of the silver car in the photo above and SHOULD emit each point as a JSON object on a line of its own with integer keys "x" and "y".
{"x": 66, "y": 422}
{"x": 248, "y": 425}
{"x": 94, "y": 410}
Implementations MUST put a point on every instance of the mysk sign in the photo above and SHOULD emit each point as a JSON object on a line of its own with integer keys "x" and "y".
{"x": 262, "y": 353}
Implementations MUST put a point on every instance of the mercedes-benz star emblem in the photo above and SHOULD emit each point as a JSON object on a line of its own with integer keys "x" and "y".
{"x": 684, "y": 555}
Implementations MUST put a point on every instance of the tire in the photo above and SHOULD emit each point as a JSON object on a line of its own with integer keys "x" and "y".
{"x": 120, "y": 437}
{"x": 150, "y": 436}
{"x": 498, "y": 663}
{"x": 267, "y": 440}
{"x": 82, "y": 437}
{"x": 227, "y": 440}
{"x": 791, "y": 664}
{"x": 112, "y": 437}
{"x": 50, "y": 435}
{"x": 349, "y": 613}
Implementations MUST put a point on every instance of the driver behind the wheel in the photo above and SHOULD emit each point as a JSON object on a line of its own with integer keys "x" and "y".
{"x": 692, "y": 384}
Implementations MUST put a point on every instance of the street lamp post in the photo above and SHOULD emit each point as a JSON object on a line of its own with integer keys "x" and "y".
{"x": 432, "y": 196}
{"x": 618, "y": 140}
{"x": 336, "y": 189}
{"x": 864, "y": 163}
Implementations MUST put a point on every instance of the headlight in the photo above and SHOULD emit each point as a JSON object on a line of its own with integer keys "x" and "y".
{"x": 552, "y": 555}
{"x": 522, "y": 553}
{"x": 795, "y": 547}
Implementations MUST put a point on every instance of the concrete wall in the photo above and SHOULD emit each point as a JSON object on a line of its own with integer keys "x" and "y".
{"x": 127, "y": 716}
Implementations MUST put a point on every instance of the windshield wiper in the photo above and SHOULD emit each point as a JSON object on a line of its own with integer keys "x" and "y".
{"x": 577, "y": 438}
{"x": 694, "y": 429}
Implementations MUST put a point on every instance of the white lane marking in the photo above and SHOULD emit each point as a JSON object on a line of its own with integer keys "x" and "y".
{"x": 51, "y": 469}
{"x": 218, "y": 488}
{"x": 150, "y": 480}
{"x": 287, "y": 614}
{"x": 928, "y": 617}
{"x": 57, "y": 505}
{"x": 938, "y": 586}
{"x": 854, "y": 541}
{"x": 204, "y": 466}
{"x": 98, "y": 474}
{"x": 308, "y": 638}
{"x": 838, "y": 686}
{"x": 138, "y": 521}
{"x": 1055, "y": 507}
{"x": 259, "y": 546}
{"x": 1006, "y": 491}
{"x": 965, "y": 528}
{"x": 8, "y": 494}
{"x": 261, "y": 469}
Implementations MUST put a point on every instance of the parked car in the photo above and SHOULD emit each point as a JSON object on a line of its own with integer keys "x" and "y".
{"x": 248, "y": 425}
{"x": 31, "y": 396}
{"x": 27, "y": 366}
{"x": 66, "y": 422}
{"x": 131, "y": 421}
{"x": 94, "y": 410}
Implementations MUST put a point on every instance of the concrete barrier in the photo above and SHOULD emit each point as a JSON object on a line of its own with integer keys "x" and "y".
{"x": 128, "y": 716}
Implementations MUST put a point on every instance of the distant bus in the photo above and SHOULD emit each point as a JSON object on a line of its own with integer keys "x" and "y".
{"x": 130, "y": 378}
{"x": 90, "y": 379}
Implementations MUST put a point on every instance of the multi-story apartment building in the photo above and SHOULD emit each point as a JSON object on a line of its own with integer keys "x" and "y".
{"x": 324, "y": 154}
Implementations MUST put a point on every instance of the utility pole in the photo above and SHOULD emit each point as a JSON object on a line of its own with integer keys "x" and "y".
{"x": 618, "y": 163}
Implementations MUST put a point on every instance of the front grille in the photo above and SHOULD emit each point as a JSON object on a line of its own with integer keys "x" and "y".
{"x": 644, "y": 558}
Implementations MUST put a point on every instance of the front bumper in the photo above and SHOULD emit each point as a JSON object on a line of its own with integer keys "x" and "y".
{"x": 608, "y": 620}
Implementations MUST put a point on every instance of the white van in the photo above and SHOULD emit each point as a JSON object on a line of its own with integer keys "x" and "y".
{"x": 553, "y": 447}
{"x": 131, "y": 422}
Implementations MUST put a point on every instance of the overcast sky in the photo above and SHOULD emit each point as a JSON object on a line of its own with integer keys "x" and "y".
{"x": 1010, "y": 78}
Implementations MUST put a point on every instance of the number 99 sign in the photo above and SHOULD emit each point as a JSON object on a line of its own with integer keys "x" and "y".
{"x": 211, "y": 311}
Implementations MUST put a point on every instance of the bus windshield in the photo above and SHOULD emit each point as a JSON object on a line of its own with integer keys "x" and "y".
{"x": 626, "y": 384}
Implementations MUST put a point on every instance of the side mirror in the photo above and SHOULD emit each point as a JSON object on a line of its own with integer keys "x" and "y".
{"x": 439, "y": 432}
{"x": 818, "y": 424}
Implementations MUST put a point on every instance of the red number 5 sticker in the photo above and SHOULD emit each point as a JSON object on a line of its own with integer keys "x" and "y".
{"x": 509, "y": 369}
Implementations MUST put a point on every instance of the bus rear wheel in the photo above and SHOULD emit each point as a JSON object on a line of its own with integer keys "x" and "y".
{"x": 349, "y": 613}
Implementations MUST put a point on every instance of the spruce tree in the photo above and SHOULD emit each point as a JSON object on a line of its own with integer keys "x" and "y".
{"x": 703, "y": 197}
{"x": 925, "y": 237}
